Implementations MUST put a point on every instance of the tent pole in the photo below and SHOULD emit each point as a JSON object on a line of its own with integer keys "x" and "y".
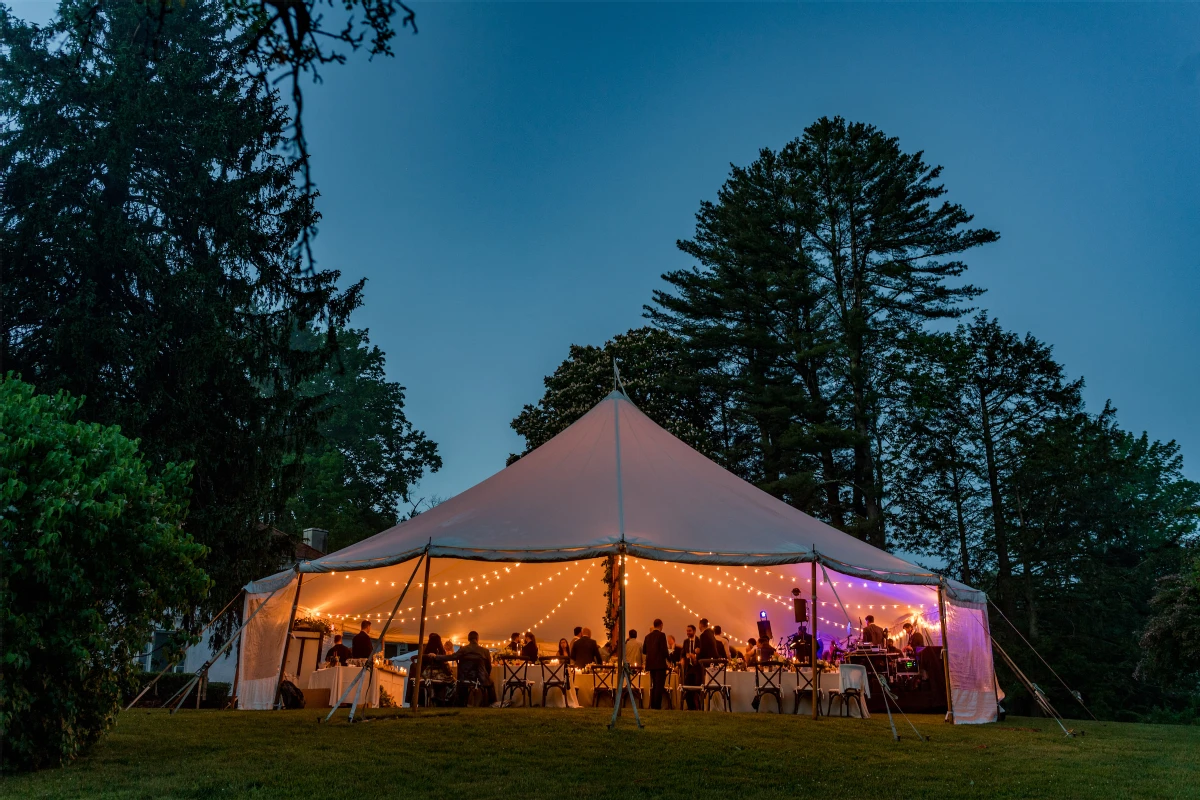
{"x": 815, "y": 675}
{"x": 945, "y": 650}
{"x": 416, "y": 700}
{"x": 287, "y": 642}
{"x": 624, "y": 677}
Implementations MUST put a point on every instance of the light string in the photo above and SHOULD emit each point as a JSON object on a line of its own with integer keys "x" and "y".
{"x": 571, "y": 593}
{"x": 473, "y": 583}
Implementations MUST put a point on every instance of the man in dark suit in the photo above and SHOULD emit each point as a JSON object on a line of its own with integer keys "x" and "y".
{"x": 708, "y": 642}
{"x": 654, "y": 651}
{"x": 585, "y": 650}
{"x": 364, "y": 645}
{"x": 693, "y": 673}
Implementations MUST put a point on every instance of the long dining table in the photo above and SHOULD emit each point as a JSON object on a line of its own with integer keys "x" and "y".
{"x": 741, "y": 685}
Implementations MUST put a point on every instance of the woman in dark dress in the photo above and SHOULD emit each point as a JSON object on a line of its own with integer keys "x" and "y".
{"x": 529, "y": 651}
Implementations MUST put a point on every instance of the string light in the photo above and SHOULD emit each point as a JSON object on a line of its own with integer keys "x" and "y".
{"x": 566, "y": 599}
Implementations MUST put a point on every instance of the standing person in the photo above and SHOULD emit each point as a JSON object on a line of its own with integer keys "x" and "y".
{"x": 338, "y": 654}
{"x": 708, "y": 642}
{"x": 654, "y": 648}
{"x": 722, "y": 645}
{"x": 872, "y": 634}
{"x": 575, "y": 638}
{"x": 915, "y": 638}
{"x": 364, "y": 646}
{"x": 633, "y": 650}
{"x": 529, "y": 651}
{"x": 674, "y": 651}
{"x": 585, "y": 651}
{"x": 693, "y": 673}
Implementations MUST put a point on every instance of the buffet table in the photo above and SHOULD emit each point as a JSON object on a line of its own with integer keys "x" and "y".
{"x": 336, "y": 679}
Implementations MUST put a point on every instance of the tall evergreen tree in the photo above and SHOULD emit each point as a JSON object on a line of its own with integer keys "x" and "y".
{"x": 149, "y": 224}
{"x": 813, "y": 263}
{"x": 652, "y": 374}
{"x": 368, "y": 457}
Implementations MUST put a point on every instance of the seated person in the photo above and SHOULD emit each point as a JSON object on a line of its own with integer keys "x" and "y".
{"x": 529, "y": 651}
{"x": 765, "y": 651}
{"x": 433, "y": 668}
{"x": 513, "y": 648}
{"x": 339, "y": 653}
{"x": 751, "y": 652}
{"x": 474, "y": 666}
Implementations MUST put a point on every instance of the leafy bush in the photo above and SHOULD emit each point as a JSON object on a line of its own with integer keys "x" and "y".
{"x": 95, "y": 559}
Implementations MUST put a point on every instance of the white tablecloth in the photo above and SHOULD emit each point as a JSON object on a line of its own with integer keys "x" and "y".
{"x": 337, "y": 679}
{"x": 741, "y": 691}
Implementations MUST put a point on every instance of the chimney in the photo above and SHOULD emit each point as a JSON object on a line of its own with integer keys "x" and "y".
{"x": 317, "y": 538}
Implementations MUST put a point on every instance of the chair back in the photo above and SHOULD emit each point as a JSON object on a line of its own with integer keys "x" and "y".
{"x": 473, "y": 667}
{"x": 603, "y": 675}
{"x": 515, "y": 670}
{"x": 714, "y": 671}
{"x": 554, "y": 671}
{"x": 769, "y": 675}
{"x": 854, "y": 676}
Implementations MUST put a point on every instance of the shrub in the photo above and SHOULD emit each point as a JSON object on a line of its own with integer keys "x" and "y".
{"x": 95, "y": 559}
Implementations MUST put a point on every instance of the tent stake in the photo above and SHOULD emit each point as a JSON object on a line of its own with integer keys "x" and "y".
{"x": 945, "y": 650}
{"x": 203, "y": 630}
{"x": 416, "y": 700}
{"x": 220, "y": 651}
{"x": 287, "y": 642}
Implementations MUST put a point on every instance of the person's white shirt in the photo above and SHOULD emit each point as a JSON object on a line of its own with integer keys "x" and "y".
{"x": 633, "y": 652}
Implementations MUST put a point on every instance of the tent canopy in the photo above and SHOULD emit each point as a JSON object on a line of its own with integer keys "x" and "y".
{"x": 617, "y": 476}
{"x": 524, "y": 549}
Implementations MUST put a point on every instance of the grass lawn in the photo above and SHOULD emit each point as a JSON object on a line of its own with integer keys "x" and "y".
{"x": 539, "y": 753}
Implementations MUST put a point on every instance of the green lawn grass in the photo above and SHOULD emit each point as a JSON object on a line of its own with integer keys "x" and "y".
{"x": 537, "y": 753}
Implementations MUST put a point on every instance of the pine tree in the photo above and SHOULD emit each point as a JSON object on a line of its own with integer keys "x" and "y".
{"x": 148, "y": 244}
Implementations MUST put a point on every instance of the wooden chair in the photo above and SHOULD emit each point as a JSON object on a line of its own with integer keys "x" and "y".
{"x": 556, "y": 674}
{"x": 715, "y": 682}
{"x": 768, "y": 682}
{"x": 804, "y": 688}
{"x": 516, "y": 680}
{"x": 473, "y": 685}
{"x": 844, "y": 696}
{"x": 604, "y": 676}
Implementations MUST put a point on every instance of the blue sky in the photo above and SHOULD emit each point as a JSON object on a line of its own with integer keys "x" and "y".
{"x": 515, "y": 179}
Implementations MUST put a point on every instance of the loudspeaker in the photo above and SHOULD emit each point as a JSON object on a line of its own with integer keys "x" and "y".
{"x": 800, "y": 606}
{"x": 764, "y": 629}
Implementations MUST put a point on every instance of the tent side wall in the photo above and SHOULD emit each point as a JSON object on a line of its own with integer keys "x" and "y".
{"x": 262, "y": 643}
{"x": 972, "y": 673}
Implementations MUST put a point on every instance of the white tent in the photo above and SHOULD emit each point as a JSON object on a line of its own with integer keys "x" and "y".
{"x": 523, "y": 551}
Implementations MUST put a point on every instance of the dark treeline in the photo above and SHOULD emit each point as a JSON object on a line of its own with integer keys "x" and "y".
{"x": 152, "y": 265}
{"x": 824, "y": 347}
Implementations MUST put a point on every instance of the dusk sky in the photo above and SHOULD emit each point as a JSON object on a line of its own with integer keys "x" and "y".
{"x": 514, "y": 181}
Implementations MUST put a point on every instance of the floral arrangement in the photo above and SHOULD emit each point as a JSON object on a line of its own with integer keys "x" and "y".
{"x": 312, "y": 623}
